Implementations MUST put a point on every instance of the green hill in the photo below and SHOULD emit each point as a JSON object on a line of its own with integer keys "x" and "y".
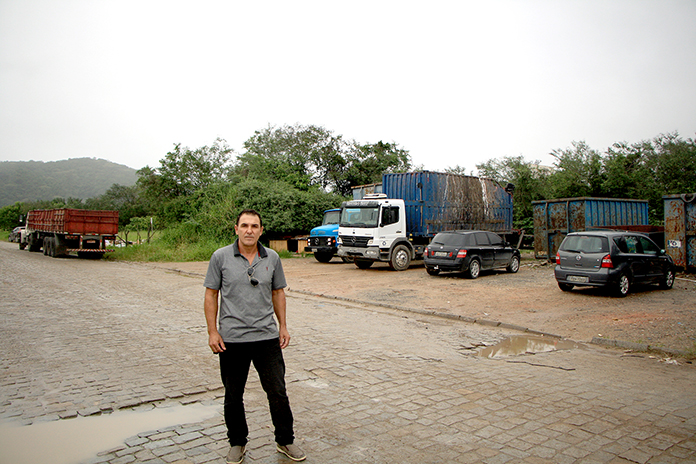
{"x": 77, "y": 178}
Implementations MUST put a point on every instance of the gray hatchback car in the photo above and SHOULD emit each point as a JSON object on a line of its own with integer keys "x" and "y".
{"x": 612, "y": 259}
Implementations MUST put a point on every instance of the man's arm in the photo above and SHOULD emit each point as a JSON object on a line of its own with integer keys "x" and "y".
{"x": 210, "y": 306}
{"x": 279, "y": 309}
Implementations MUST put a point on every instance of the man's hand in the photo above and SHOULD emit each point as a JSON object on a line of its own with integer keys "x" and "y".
{"x": 284, "y": 337}
{"x": 215, "y": 342}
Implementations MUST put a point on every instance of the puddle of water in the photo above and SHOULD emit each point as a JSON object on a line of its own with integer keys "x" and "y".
{"x": 521, "y": 344}
{"x": 70, "y": 441}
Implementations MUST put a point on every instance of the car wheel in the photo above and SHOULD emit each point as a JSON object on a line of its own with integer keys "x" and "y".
{"x": 668, "y": 281}
{"x": 474, "y": 269}
{"x": 363, "y": 263}
{"x": 514, "y": 265}
{"x": 432, "y": 271}
{"x": 565, "y": 287}
{"x": 623, "y": 285}
{"x": 323, "y": 257}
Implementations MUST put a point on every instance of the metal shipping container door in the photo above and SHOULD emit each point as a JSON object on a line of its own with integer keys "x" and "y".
{"x": 680, "y": 229}
{"x": 554, "y": 219}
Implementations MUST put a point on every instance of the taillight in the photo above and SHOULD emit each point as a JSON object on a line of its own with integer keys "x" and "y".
{"x": 461, "y": 254}
{"x": 606, "y": 262}
{"x": 558, "y": 258}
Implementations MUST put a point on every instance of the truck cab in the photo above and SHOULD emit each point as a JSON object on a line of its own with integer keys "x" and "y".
{"x": 322, "y": 239}
{"x": 374, "y": 229}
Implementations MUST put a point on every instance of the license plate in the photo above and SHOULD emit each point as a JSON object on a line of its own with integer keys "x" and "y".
{"x": 583, "y": 279}
{"x": 441, "y": 254}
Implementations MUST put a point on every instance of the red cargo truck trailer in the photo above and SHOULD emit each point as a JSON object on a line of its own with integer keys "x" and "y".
{"x": 59, "y": 232}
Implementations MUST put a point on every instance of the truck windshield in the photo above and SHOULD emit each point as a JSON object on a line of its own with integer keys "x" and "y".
{"x": 360, "y": 217}
{"x": 331, "y": 217}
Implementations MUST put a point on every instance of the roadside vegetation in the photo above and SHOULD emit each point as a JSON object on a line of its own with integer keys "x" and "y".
{"x": 185, "y": 208}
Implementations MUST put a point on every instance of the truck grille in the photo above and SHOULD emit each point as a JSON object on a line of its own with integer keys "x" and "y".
{"x": 351, "y": 241}
{"x": 320, "y": 241}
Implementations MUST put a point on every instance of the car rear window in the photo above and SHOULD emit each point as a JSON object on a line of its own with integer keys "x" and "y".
{"x": 585, "y": 244}
{"x": 455, "y": 240}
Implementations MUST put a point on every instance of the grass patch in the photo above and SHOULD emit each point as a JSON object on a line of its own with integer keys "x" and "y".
{"x": 166, "y": 250}
{"x": 162, "y": 251}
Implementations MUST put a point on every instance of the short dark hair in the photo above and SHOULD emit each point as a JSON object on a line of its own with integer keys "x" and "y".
{"x": 252, "y": 212}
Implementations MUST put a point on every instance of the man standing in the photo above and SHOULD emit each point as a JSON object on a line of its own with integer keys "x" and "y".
{"x": 250, "y": 282}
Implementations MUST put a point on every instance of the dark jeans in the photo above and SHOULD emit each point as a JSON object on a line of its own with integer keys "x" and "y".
{"x": 267, "y": 357}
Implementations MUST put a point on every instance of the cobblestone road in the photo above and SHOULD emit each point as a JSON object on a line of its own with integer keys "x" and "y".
{"x": 367, "y": 384}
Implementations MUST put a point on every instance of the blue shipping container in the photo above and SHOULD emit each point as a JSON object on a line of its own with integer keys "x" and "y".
{"x": 438, "y": 201}
{"x": 554, "y": 219}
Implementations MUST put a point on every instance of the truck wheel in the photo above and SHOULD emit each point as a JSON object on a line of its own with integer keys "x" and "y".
{"x": 34, "y": 244}
{"x": 400, "y": 258}
{"x": 363, "y": 263}
{"x": 323, "y": 257}
{"x": 474, "y": 269}
{"x": 45, "y": 246}
{"x": 22, "y": 245}
{"x": 514, "y": 265}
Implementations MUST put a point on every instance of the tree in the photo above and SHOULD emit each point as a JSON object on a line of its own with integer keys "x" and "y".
{"x": 627, "y": 172}
{"x": 367, "y": 163}
{"x": 578, "y": 172}
{"x": 184, "y": 171}
{"x": 650, "y": 169}
{"x": 9, "y": 216}
{"x": 127, "y": 200}
{"x": 297, "y": 155}
{"x": 673, "y": 162}
{"x": 308, "y": 157}
{"x": 286, "y": 211}
{"x": 530, "y": 181}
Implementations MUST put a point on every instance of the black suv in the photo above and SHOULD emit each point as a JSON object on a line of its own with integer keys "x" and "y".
{"x": 469, "y": 251}
{"x": 616, "y": 260}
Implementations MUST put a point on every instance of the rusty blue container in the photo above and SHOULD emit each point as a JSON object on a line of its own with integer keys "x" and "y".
{"x": 680, "y": 229}
{"x": 437, "y": 201}
{"x": 554, "y": 219}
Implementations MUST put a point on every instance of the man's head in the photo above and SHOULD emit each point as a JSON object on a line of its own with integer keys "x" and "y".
{"x": 249, "y": 227}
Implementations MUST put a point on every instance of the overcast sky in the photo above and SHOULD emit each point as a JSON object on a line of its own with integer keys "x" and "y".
{"x": 452, "y": 82}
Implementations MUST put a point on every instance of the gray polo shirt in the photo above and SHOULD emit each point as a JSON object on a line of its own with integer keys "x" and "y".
{"x": 246, "y": 312}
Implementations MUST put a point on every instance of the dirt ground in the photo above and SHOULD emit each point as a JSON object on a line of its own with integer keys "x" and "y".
{"x": 529, "y": 298}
